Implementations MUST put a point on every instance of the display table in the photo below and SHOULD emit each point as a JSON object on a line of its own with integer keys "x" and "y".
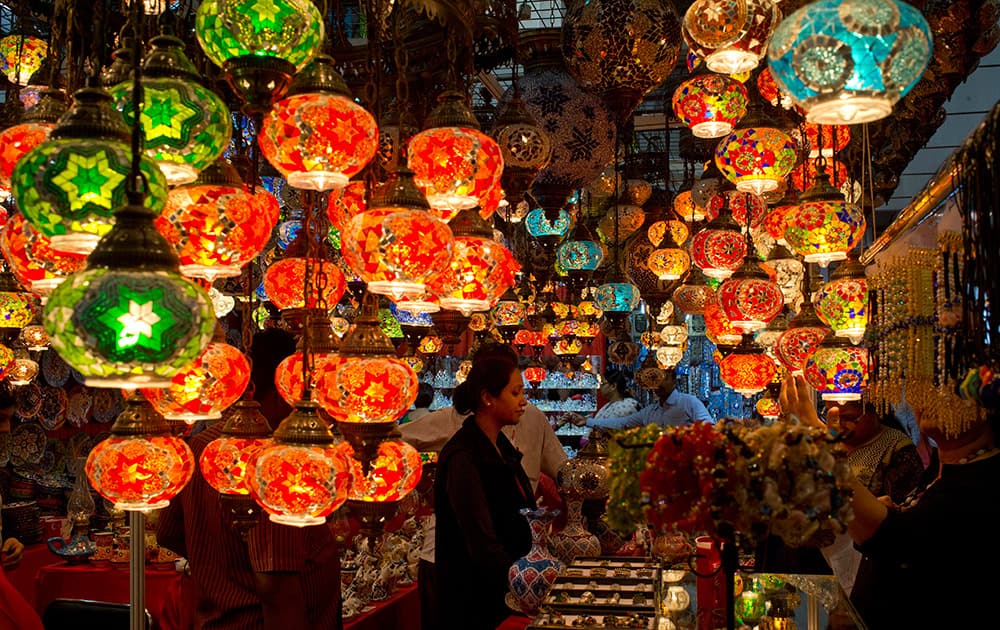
{"x": 23, "y": 575}
{"x": 400, "y": 612}
{"x": 102, "y": 581}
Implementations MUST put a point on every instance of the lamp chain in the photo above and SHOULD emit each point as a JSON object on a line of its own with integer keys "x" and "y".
{"x": 135, "y": 186}
{"x": 402, "y": 58}
{"x": 308, "y": 231}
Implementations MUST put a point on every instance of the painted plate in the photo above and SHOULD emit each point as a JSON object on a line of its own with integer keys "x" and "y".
{"x": 53, "y": 412}
{"x": 79, "y": 406}
{"x": 54, "y": 369}
{"x": 4, "y": 449}
{"x": 29, "y": 401}
{"x": 78, "y": 445}
{"x": 108, "y": 403}
{"x": 58, "y": 449}
{"x": 28, "y": 442}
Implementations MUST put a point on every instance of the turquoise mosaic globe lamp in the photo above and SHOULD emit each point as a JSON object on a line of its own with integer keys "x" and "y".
{"x": 847, "y": 62}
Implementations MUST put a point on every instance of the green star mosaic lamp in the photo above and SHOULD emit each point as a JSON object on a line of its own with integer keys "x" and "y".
{"x": 185, "y": 125}
{"x": 68, "y": 186}
{"x": 259, "y": 43}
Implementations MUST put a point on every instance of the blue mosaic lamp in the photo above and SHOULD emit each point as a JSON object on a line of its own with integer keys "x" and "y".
{"x": 847, "y": 62}
{"x": 548, "y": 226}
{"x": 617, "y": 297}
{"x": 579, "y": 255}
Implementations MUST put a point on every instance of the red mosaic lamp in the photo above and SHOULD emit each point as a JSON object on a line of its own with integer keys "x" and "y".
{"x": 317, "y": 136}
{"x": 685, "y": 207}
{"x": 746, "y": 369}
{"x": 730, "y": 35}
{"x": 141, "y": 466}
{"x": 534, "y": 373}
{"x": 804, "y": 334}
{"x": 343, "y": 204}
{"x": 746, "y": 207}
{"x": 694, "y": 295}
{"x": 719, "y": 329}
{"x": 749, "y": 297}
{"x": 32, "y": 259}
{"x": 710, "y": 104}
{"x": 825, "y": 226}
{"x": 215, "y": 224}
{"x": 34, "y": 129}
{"x": 455, "y": 164}
{"x": 394, "y": 473}
{"x": 842, "y": 303}
{"x": 719, "y": 248}
{"x": 324, "y": 345}
{"x": 480, "y": 271}
{"x": 207, "y": 386}
{"x": 804, "y": 175}
{"x": 769, "y": 408}
{"x": 757, "y": 156}
{"x": 225, "y": 460}
{"x": 397, "y": 244}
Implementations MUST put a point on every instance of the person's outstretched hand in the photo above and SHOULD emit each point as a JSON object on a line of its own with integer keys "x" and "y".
{"x": 795, "y": 399}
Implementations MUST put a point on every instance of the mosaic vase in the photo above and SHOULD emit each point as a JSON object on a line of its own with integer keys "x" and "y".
{"x": 573, "y": 539}
{"x": 532, "y": 575}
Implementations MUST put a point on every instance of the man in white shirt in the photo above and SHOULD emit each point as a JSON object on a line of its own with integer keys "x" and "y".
{"x": 674, "y": 409}
{"x": 533, "y": 436}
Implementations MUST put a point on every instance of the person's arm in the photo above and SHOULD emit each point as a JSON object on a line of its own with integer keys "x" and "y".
{"x": 13, "y": 551}
{"x": 170, "y": 527}
{"x": 277, "y": 556}
{"x": 464, "y": 490}
{"x": 697, "y": 411}
{"x": 638, "y": 419}
{"x": 553, "y": 454}
{"x": 869, "y": 513}
{"x": 282, "y": 600}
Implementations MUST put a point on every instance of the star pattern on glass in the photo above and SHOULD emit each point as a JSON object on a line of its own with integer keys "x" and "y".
{"x": 88, "y": 179}
{"x": 139, "y": 320}
{"x": 167, "y": 116}
{"x": 268, "y": 14}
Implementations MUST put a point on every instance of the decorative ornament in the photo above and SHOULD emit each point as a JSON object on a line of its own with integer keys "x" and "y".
{"x": 756, "y": 158}
{"x": 719, "y": 248}
{"x": 710, "y": 104}
{"x": 842, "y": 303}
{"x": 746, "y": 369}
{"x": 837, "y": 370}
{"x": 847, "y": 62}
{"x": 694, "y": 295}
{"x": 225, "y": 460}
{"x": 730, "y": 35}
{"x": 21, "y": 56}
{"x": 825, "y": 226}
{"x": 30, "y": 256}
{"x": 202, "y": 390}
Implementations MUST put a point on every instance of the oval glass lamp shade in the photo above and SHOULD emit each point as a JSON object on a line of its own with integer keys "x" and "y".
{"x": 838, "y": 371}
{"x": 21, "y": 57}
{"x": 710, "y": 104}
{"x": 224, "y": 462}
{"x": 747, "y": 372}
{"x": 756, "y": 159}
{"x": 718, "y": 252}
{"x": 374, "y": 390}
{"x": 300, "y": 484}
{"x": 128, "y": 329}
{"x": 750, "y": 302}
{"x": 842, "y": 304}
{"x": 31, "y": 257}
{"x": 481, "y": 270}
{"x": 206, "y": 387}
{"x": 579, "y": 255}
{"x": 730, "y": 35}
{"x": 455, "y": 167}
{"x": 318, "y": 140}
{"x": 291, "y": 30}
{"x": 395, "y": 472}
{"x": 848, "y": 62}
{"x": 140, "y": 472}
{"x": 284, "y": 282}
{"x": 17, "y": 141}
{"x": 288, "y": 377}
{"x": 185, "y": 125}
{"x": 824, "y": 230}
{"x": 617, "y": 297}
{"x": 68, "y": 189}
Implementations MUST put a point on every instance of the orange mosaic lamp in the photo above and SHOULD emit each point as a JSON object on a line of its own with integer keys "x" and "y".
{"x": 215, "y": 224}
{"x": 481, "y": 269}
{"x": 225, "y": 460}
{"x": 456, "y": 165}
{"x": 719, "y": 248}
{"x": 745, "y": 206}
{"x": 397, "y": 244}
{"x": 317, "y": 136}
{"x": 769, "y": 408}
{"x": 141, "y": 466}
{"x": 323, "y": 343}
{"x": 284, "y": 283}
{"x": 207, "y": 386}
{"x": 747, "y": 370}
{"x": 749, "y": 298}
{"x": 17, "y": 140}
{"x": 343, "y": 204}
{"x": 394, "y": 473}
{"x": 31, "y": 258}
{"x": 303, "y": 475}
{"x": 719, "y": 328}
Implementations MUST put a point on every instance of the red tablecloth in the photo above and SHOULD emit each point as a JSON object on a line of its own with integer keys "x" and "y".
{"x": 102, "y": 581}
{"x": 515, "y": 622}
{"x": 23, "y": 575}
{"x": 400, "y": 612}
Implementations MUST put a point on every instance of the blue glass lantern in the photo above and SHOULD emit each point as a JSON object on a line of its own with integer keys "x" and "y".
{"x": 847, "y": 62}
{"x": 411, "y": 319}
{"x": 579, "y": 255}
{"x": 617, "y": 297}
{"x": 547, "y": 225}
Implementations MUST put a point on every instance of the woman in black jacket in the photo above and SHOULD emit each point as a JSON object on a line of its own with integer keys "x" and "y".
{"x": 478, "y": 494}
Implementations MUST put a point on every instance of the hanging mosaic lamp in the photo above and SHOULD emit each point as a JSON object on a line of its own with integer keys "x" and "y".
{"x": 33, "y": 129}
{"x": 620, "y": 222}
{"x": 225, "y": 460}
{"x": 317, "y": 136}
{"x": 837, "y": 370}
{"x": 394, "y": 473}
{"x": 507, "y": 316}
{"x": 805, "y": 332}
{"x": 21, "y": 56}
{"x": 767, "y": 338}
{"x": 34, "y": 338}
{"x": 259, "y": 44}
{"x": 746, "y": 207}
{"x": 303, "y": 475}
{"x": 825, "y": 226}
{"x": 657, "y": 232}
{"x": 324, "y": 347}
{"x": 343, "y": 204}
{"x": 769, "y": 408}
{"x": 718, "y": 327}
{"x": 480, "y": 271}
{"x": 579, "y": 257}
{"x": 30, "y": 256}
{"x": 668, "y": 357}
{"x": 685, "y": 207}
{"x": 710, "y": 104}
{"x": 548, "y": 226}
{"x": 719, "y": 248}
{"x": 756, "y": 156}
{"x": 21, "y": 371}
{"x": 847, "y": 62}
{"x": 284, "y": 282}
{"x": 730, "y": 35}
{"x": 17, "y": 306}
{"x": 750, "y": 298}
{"x": 776, "y": 220}
{"x": 694, "y": 295}
{"x": 804, "y": 176}
{"x": 832, "y": 138}
{"x": 215, "y": 224}
{"x": 6, "y": 361}
{"x": 69, "y": 186}
{"x": 534, "y": 373}
{"x": 203, "y": 389}
{"x": 525, "y": 146}
{"x": 707, "y": 186}
{"x": 142, "y": 466}
{"x": 129, "y": 319}
{"x": 185, "y": 125}
{"x": 842, "y": 303}
{"x": 747, "y": 370}
{"x": 454, "y": 163}
{"x": 617, "y": 297}
{"x": 397, "y": 244}
{"x": 668, "y": 261}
